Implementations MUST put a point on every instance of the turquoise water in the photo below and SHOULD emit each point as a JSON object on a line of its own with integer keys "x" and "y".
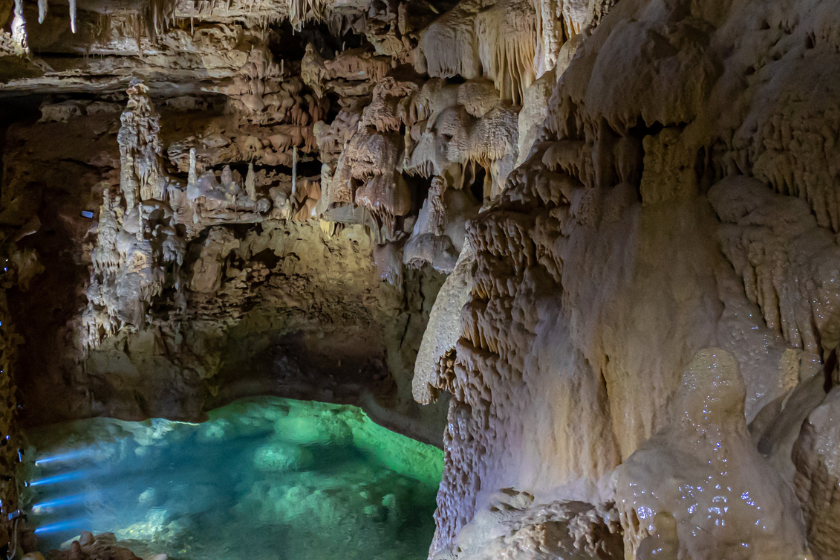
{"x": 264, "y": 478}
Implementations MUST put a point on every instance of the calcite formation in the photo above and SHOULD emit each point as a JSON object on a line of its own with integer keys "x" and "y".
{"x": 588, "y": 298}
{"x": 700, "y": 486}
{"x": 601, "y": 235}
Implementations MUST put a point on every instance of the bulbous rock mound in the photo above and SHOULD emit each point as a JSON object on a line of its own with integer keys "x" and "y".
{"x": 699, "y": 488}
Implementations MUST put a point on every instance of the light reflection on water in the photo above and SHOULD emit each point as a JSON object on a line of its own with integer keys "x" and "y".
{"x": 263, "y": 478}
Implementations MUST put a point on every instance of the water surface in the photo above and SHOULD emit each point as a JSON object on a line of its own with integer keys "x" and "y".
{"x": 264, "y": 478}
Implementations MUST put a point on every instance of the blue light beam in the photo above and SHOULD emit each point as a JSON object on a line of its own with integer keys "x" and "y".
{"x": 59, "y": 502}
{"x": 58, "y": 478}
{"x": 71, "y": 456}
{"x": 61, "y": 526}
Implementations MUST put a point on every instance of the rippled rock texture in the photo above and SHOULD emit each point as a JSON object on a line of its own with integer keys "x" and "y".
{"x": 677, "y": 205}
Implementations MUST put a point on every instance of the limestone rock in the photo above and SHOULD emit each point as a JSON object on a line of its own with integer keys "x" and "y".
{"x": 815, "y": 457}
{"x": 700, "y": 486}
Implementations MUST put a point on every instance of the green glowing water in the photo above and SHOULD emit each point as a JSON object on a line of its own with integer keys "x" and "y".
{"x": 264, "y": 478}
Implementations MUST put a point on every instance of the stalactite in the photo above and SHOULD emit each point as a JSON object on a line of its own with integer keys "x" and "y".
{"x": 42, "y": 10}
{"x": 73, "y": 15}
{"x": 507, "y": 45}
{"x": 301, "y": 11}
{"x": 160, "y": 15}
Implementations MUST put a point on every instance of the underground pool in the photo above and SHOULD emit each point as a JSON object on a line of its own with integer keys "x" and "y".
{"x": 264, "y": 478}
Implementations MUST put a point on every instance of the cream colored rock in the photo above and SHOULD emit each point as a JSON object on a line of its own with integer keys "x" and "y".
{"x": 455, "y": 139}
{"x": 519, "y": 528}
{"x": 774, "y": 241}
{"x": 533, "y": 113}
{"x": 438, "y": 234}
{"x": 431, "y": 370}
{"x": 704, "y": 475}
{"x": 815, "y": 455}
{"x": 591, "y": 259}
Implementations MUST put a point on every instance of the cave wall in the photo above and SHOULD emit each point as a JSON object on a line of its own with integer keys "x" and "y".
{"x": 170, "y": 258}
{"x": 245, "y": 306}
{"x": 655, "y": 277}
{"x": 184, "y": 265}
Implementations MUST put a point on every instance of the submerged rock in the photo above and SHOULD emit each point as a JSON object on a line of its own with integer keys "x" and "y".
{"x": 279, "y": 457}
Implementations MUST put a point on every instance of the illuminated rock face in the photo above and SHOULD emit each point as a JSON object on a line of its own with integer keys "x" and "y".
{"x": 605, "y": 232}
{"x": 699, "y": 486}
{"x": 655, "y": 220}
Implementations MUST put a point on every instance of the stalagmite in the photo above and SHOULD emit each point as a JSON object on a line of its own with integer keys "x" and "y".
{"x": 19, "y": 27}
{"x": 140, "y": 149}
{"x": 250, "y": 182}
{"x": 192, "y": 178}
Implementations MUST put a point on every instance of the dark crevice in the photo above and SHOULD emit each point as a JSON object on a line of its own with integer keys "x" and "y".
{"x": 828, "y": 371}
{"x": 477, "y": 185}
